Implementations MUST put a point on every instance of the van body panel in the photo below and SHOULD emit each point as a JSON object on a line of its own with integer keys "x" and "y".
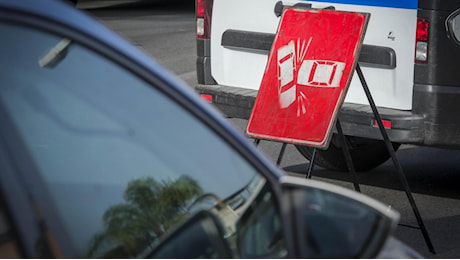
{"x": 391, "y": 88}
{"x": 420, "y": 100}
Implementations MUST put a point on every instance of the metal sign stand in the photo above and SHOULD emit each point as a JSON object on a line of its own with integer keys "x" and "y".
{"x": 290, "y": 64}
{"x": 351, "y": 169}
{"x": 399, "y": 169}
{"x": 346, "y": 153}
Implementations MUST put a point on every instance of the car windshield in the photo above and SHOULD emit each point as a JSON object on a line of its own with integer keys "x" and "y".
{"x": 120, "y": 161}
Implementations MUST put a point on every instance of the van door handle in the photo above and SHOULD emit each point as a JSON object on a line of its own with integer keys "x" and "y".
{"x": 279, "y": 7}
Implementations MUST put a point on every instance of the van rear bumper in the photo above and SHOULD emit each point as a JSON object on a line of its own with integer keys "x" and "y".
{"x": 356, "y": 119}
{"x": 441, "y": 107}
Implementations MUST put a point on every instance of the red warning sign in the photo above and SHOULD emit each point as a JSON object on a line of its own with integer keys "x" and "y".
{"x": 307, "y": 76}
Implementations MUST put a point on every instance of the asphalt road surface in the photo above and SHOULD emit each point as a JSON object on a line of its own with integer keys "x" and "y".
{"x": 165, "y": 31}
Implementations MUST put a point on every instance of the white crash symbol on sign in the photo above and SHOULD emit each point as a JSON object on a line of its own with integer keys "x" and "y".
{"x": 312, "y": 73}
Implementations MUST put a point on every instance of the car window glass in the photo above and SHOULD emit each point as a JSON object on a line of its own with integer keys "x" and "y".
{"x": 336, "y": 226}
{"x": 260, "y": 232}
{"x": 122, "y": 162}
{"x": 8, "y": 244}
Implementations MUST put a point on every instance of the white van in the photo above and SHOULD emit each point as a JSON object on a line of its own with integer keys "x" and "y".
{"x": 409, "y": 57}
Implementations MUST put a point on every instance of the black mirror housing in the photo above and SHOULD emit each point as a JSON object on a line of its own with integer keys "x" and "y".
{"x": 333, "y": 222}
{"x": 452, "y": 24}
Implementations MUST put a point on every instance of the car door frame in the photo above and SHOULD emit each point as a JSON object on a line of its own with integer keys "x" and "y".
{"x": 60, "y": 19}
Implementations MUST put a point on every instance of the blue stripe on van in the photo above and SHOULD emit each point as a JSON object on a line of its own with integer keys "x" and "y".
{"x": 406, "y": 4}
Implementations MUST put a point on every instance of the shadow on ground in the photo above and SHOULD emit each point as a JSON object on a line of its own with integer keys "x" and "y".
{"x": 429, "y": 171}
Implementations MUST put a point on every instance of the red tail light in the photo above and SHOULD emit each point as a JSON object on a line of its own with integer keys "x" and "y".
{"x": 421, "y": 44}
{"x": 206, "y": 97}
{"x": 203, "y": 18}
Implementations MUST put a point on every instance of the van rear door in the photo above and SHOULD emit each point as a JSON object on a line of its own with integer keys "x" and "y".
{"x": 387, "y": 57}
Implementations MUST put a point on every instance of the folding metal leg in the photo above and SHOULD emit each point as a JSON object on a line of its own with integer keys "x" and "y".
{"x": 347, "y": 155}
{"x": 312, "y": 163}
{"x": 399, "y": 169}
{"x": 280, "y": 156}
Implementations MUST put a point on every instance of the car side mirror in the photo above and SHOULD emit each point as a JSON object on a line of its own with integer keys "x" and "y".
{"x": 453, "y": 26}
{"x": 334, "y": 222}
{"x": 201, "y": 236}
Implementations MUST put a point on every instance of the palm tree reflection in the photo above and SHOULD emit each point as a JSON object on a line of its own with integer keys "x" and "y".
{"x": 151, "y": 209}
